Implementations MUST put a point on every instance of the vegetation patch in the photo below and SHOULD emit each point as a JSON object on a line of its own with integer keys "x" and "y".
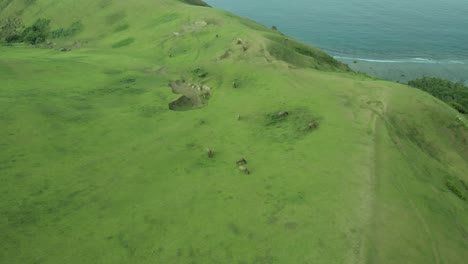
{"x": 115, "y": 17}
{"x": 123, "y": 43}
{"x": 252, "y": 24}
{"x": 200, "y": 73}
{"x": 454, "y": 94}
{"x": 119, "y": 90}
{"x": 75, "y": 28}
{"x": 4, "y": 4}
{"x": 29, "y": 2}
{"x": 149, "y": 110}
{"x": 13, "y": 30}
{"x": 195, "y": 2}
{"x": 415, "y": 135}
{"x": 128, "y": 80}
{"x": 62, "y": 114}
{"x": 465, "y": 184}
{"x": 104, "y": 3}
{"x": 127, "y": 86}
{"x": 38, "y": 32}
{"x": 166, "y": 18}
{"x": 290, "y": 125}
{"x": 121, "y": 27}
{"x": 301, "y": 55}
{"x": 226, "y": 55}
{"x": 452, "y": 187}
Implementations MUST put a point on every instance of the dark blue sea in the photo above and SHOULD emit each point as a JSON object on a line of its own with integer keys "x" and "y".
{"x": 392, "y": 39}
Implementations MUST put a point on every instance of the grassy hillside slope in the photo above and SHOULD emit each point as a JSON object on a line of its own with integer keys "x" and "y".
{"x": 95, "y": 167}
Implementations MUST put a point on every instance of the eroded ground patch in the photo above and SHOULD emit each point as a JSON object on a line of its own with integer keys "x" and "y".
{"x": 193, "y": 95}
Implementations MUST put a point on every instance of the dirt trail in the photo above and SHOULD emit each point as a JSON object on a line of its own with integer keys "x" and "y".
{"x": 401, "y": 187}
{"x": 357, "y": 254}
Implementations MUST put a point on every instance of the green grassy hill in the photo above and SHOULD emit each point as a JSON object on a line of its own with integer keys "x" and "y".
{"x": 103, "y": 138}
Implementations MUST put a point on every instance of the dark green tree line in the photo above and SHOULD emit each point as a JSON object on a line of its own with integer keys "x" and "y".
{"x": 454, "y": 94}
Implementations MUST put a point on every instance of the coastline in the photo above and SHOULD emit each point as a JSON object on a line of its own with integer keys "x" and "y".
{"x": 404, "y": 70}
{"x": 396, "y": 46}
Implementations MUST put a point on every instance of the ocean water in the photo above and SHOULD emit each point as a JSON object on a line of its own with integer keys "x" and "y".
{"x": 392, "y": 39}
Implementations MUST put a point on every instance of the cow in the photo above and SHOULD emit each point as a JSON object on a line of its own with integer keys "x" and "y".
{"x": 244, "y": 169}
{"x": 312, "y": 125}
{"x": 209, "y": 152}
{"x": 241, "y": 162}
{"x": 283, "y": 114}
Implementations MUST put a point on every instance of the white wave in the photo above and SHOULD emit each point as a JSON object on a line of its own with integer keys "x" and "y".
{"x": 456, "y": 62}
{"x": 412, "y": 60}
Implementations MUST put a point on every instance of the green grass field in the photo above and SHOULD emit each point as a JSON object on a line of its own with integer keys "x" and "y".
{"x": 95, "y": 167}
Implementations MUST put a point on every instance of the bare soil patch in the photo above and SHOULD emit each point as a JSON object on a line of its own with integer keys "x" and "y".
{"x": 193, "y": 95}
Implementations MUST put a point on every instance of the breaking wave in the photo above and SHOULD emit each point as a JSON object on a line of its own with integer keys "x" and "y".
{"x": 411, "y": 60}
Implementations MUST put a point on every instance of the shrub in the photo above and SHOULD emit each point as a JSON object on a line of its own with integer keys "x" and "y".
{"x": 454, "y": 94}
{"x": 459, "y": 107}
{"x": 11, "y": 29}
{"x": 195, "y": 2}
{"x": 123, "y": 43}
{"x": 465, "y": 184}
{"x": 38, "y": 32}
{"x": 121, "y": 28}
{"x": 301, "y": 55}
{"x": 71, "y": 31}
{"x": 452, "y": 187}
{"x": 13, "y": 38}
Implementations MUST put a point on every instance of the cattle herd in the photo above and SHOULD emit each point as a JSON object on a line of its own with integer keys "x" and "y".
{"x": 239, "y": 163}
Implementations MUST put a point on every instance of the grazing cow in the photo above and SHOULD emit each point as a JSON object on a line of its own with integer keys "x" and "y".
{"x": 209, "y": 152}
{"x": 241, "y": 162}
{"x": 283, "y": 114}
{"x": 244, "y": 169}
{"x": 312, "y": 125}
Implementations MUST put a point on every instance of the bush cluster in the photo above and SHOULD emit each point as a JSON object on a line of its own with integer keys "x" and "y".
{"x": 71, "y": 31}
{"x": 38, "y": 32}
{"x": 455, "y": 190}
{"x": 195, "y": 2}
{"x": 454, "y": 94}
{"x": 13, "y": 30}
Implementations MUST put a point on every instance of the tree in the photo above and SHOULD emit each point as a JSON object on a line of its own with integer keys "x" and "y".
{"x": 38, "y": 32}
{"x": 11, "y": 29}
{"x": 454, "y": 94}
